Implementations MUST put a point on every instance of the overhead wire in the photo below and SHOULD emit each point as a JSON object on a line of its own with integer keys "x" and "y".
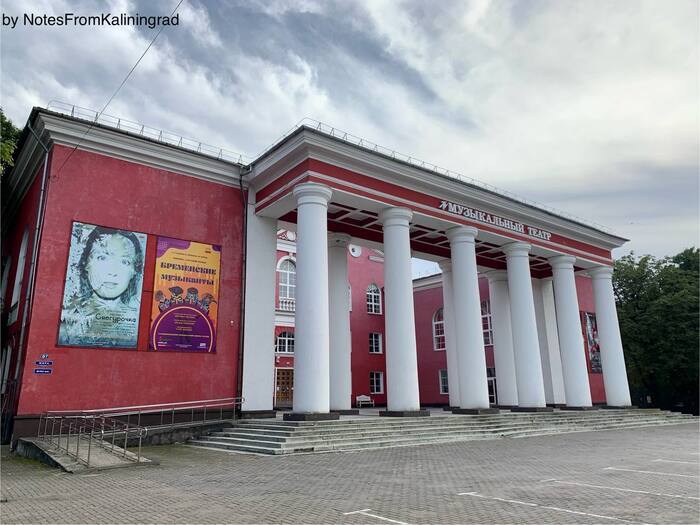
{"x": 116, "y": 91}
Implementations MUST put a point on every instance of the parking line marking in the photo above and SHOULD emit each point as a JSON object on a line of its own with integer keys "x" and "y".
{"x": 651, "y": 472}
{"x": 365, "y": 513}
{"x": 675, "y": 461}
{"x": 558, "y": 509}
{"x": 618, "y": 488}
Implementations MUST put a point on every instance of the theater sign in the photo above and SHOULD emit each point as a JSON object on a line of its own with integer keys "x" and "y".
{"x": 495, "y": 220}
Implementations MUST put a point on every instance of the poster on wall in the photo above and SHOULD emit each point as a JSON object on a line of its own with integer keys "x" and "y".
{"x": 185, "y": 296}
{"x": 102, "y": 294}
{"x": 592, "y": 342}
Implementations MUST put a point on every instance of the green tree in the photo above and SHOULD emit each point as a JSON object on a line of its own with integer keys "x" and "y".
{"x": 9, "y": 135}
{"x": 659, "y": 312}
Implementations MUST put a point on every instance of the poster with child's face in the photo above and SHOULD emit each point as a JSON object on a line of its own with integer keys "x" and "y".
{"x": 102, "y": 293}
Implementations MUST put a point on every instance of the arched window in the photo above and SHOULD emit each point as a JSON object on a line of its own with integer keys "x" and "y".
{"x": 287, "y": 272}
{"x": 374, "y": 299}
{"x": 285, "y": 343}
{"x": 438, "y": 330}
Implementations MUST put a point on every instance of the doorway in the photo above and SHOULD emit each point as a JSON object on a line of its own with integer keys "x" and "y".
{"x": 284, "y": 387}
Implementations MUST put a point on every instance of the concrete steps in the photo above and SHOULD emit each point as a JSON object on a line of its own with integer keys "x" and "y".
{"x": 358, "y": 433}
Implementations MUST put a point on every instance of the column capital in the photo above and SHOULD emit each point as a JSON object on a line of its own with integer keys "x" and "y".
{"x": 338, "y": 240}
{"x": 395, "y": 216}
{"x": 495, "y": 276}
{"x": 516, "y": 249}
{"x": 462, "y": 234}
{"x": 601, "y": 272}
{"x": 445, "y": 265}
{"x": 562, "y": 262}
{"x": 312, "y": 193}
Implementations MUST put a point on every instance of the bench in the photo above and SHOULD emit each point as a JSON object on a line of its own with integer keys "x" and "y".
{"x": 364, "y": 401}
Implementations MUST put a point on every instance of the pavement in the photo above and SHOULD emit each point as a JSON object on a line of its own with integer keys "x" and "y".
{"x": 648, "y": 475}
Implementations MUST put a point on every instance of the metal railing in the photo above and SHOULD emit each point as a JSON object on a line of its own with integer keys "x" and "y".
{"x": 137, "y": 128}
{"x": 113, "y": 428}
{"x": 68, "y": 432}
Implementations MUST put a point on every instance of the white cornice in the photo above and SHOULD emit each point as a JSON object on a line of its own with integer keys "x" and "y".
{"x": 125, "y": 146}
{"x": 307, "y": 143}
{"x": 425, "y": 283}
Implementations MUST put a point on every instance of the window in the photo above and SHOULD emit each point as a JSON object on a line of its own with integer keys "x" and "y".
{"x": 444, "y": 389}
{"x": 375, "y": 343}
{"x": 438, "y": 330}
{"x": 491, "y": 378}
{"x": 285, "y": 343}
{"x": 287, "y": 271}
{"x": 6, "y": 263}
{"x": 376, "y": 382}
{"x": 486, "y": 322}
{"x": 19, "y": 274}
{"x": 374, "y": 299}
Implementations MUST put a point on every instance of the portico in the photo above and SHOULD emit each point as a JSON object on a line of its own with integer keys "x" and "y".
{"x": 334, "y": 193}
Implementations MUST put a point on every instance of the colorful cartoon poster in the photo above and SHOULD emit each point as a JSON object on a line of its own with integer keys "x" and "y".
{"x": 185, "y": 296}
{"x": 592, "y": 342}
{"x": 102, "y": 294}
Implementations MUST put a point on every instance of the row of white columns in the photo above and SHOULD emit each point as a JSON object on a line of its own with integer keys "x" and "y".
{"x": 322, "y": 378}
{"x": 519, "y": 376}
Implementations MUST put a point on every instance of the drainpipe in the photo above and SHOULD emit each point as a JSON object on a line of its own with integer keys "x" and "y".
{"x": 244, "y": 270}
{"x": 29, "y": 296}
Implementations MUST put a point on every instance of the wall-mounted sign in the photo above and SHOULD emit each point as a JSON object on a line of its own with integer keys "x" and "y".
{"x": 488, "y": 218}
{"x": 185, "y": 296}
{"x": 43, "y": 363}
{"x": 102, "y": 294}
{"x": 592, "y": 343}
{"x": 43, "y": 371}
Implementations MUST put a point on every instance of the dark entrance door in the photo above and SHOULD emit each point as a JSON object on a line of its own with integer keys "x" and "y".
{"x": 284, "y": 388}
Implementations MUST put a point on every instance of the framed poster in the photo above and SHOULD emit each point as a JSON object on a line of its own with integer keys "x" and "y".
{"x": 102, "y": 293}
{"x": 185, "y": 296}
{"x": 592, "y": 342}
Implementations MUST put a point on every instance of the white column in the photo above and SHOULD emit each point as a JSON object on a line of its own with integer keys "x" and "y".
{"x": 311, "y": 354}
{"x": 617, "y": 391}
{"x": 259, "y": 324}
{"x": 473, "y": 387}
{"x": 528, "y": 369}
{"x": 506, "y": 383}
{"x": 339, "y": 310}
{"x": 573, "y": 359}
{"x": 401, "y": 358}
{"x": 450, "y": 332}
{"x": 546, "y": 315}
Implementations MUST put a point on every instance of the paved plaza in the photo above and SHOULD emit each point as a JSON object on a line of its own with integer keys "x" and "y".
{"x": 645, "y": 475}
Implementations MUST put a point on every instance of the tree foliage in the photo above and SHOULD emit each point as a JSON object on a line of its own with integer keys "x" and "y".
{"x": 659, "y": 313}
{"x": 9, "y": 135}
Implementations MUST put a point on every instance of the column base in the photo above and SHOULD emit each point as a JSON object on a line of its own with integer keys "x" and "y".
{"x": 556, "y": 405}
{"x": 404, "y": 413}
{"x": 304, "y": 416}
{"x": 532, "y": 409}
{"x": 347, "y": 412}
{"x": 506, "y": 407}
{"x": 448, "y": 408}
{"x": 258, "y": 414}
{"x": 585, "y": 409}
{"x": 475, "y": 411}
{"x": 610, "y": 407}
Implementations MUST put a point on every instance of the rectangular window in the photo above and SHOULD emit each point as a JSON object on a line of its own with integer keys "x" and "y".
{"x": 375, "y": 343}
{"x": 376, "y": 382}
{"x": 444, "y": 389}
{"x": 19, "y": 275}
{"x": 486, "y": 322}
{"x": 491, "y": 377}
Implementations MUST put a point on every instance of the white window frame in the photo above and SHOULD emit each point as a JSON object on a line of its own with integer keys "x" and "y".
{"x": 486, "y": 324}
{"x": 380, "y": 344}
{"x": 288, "y": 343}
{"x": 439, "y": 326}
{"x": 374, "y": 299}
{"x": 19, "y": 277}
{"x": 290, "y": 289}
{"x": 373, "y": 382}
{"x": 444, "y": 385}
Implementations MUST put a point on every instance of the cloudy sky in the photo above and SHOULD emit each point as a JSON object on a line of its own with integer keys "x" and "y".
{"x": 588, "y": 106}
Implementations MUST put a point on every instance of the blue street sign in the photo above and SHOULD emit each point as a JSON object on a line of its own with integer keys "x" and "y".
{"x": 44, "y": 363}
{"x": 42, "y": 370}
